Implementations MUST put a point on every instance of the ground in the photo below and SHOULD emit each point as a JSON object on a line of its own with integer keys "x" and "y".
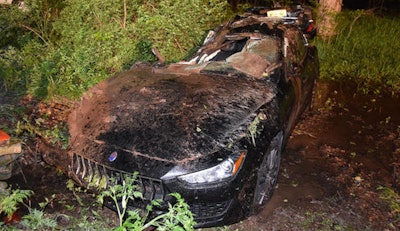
{"x": 337, "y": 169}
{"x": 337, "y": 160}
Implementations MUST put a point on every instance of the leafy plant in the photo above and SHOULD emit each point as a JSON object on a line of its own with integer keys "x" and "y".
{"x": 75, "y": 190}
{"x": 9, "y": 113}
{"x": 56, "y": 134}
{"x": 177, "y": 218}
{"x": 11, "y": 61}
{"x": 122, "y": 192}
{"x": 254, "y": 128}
{"x": 10, "y": 200}
{"x": 47, "y": 201}
{"x": 37, "y": 220}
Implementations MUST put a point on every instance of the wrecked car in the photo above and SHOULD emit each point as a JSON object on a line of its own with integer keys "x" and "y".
{"x": 211, "y": 128}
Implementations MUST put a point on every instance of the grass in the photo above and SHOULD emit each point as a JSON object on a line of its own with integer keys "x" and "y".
{"x": 392, "y": 198}
{"x": 323, "y": 221}
{"x": 84, "y": 42}
{"x": 363, "y": 51}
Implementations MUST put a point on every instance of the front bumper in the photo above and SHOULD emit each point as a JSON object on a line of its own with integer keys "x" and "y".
{"x": 210, "y": 204}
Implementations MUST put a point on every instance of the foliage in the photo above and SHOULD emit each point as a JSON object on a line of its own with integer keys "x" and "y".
{"x": 37, "y": 220}
{"x": 123, "y": 192}
{"x": 175, "y": 26}
{"x": 9, "y": 112}
{"x": 393, "y": 199}
{"x": 91, "y": 222}
{"x": 56, "y": 134}
{"x": 10, "y": 66}
{"x": 363, "y": 51}
{"x": 75, "y": 190}
{"x": 323, "y": 221}
{"x": 178, "y": 217}
{"x": 254, "y": 128}
{"x": 10, "y": 199}
{"x": 26, "y": 35}
{"x": 39, "y": 18}
{"x": 83, "y": 42}
{"x": 11, "y": 34}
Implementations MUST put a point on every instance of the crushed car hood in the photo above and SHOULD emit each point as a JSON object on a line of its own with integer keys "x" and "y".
{"x": 164, "y": 116}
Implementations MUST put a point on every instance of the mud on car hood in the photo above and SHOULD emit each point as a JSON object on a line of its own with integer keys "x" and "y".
{"x": 146, "y": 117}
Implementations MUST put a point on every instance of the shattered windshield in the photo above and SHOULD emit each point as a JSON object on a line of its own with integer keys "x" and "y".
{"x": 238, "y": 54}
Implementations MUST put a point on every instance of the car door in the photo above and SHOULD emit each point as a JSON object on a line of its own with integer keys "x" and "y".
{"x": 299, "y": 72}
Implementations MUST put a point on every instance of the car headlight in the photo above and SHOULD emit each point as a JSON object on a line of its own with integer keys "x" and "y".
{"x": 226, "y": 169}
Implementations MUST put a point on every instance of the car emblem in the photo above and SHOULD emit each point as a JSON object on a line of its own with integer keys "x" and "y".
{"x": 113, "y": 156}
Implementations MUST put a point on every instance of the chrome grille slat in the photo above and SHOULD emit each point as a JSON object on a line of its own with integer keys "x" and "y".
{"x": 84, "y": 168}
{"x": 152, "y": 190}
{"x": 92, "y": 173}
{"x": 78, "y": 168}
{"x": 97, "y": 174}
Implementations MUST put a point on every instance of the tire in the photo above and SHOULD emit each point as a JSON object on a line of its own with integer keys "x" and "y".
{"x": 268, "y": 173}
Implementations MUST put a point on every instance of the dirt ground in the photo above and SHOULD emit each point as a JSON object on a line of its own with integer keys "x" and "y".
{"x": 340, "y": 158}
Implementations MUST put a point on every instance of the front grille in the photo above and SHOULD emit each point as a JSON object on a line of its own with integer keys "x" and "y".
{"x": 93, "y": 174}
{"x": 206, "y": 212}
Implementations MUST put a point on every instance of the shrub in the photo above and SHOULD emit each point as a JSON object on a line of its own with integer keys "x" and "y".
{"x": 176, "y": 26}
{"x": 75, "y": 44}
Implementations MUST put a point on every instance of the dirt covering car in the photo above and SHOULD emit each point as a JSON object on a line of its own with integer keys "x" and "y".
{"x": 211, "y": 128}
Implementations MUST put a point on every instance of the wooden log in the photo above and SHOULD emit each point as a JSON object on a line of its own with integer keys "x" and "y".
{"x": 10, "y": 149}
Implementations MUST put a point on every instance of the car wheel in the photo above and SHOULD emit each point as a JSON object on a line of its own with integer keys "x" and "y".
{"x": 268, "y": 173}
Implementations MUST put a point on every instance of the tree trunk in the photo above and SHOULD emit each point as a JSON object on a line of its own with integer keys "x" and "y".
{"x": 327, "y": 12}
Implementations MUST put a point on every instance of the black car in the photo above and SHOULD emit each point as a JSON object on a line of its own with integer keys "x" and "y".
{"x": 211, "y": 128}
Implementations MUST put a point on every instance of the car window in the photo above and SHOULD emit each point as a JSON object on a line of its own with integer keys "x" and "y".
{"x": 229, "y": 48}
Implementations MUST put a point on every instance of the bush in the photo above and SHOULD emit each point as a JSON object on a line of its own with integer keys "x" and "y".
{"x": 75, "y": 44}
{"x": 176, "y": 26}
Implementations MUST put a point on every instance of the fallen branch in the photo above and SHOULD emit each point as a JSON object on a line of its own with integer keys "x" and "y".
{"x": 159, "y": 56}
